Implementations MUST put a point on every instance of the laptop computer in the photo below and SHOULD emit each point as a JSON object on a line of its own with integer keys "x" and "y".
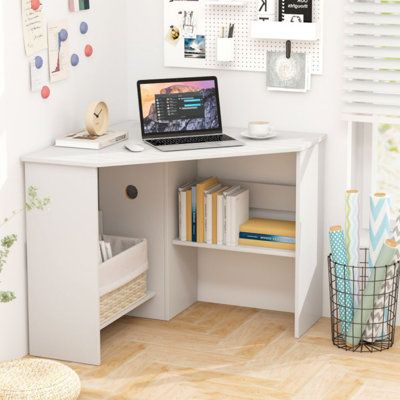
{"x": 182, "y": 114}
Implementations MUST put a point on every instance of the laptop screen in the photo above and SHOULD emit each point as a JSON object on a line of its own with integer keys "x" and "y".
{"x": 179, "y": 106}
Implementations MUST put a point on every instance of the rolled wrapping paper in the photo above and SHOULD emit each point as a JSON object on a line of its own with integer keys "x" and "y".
{"x": 377, "y": 327}
{"x": 343, "y": 287}
{"x": 396, "y": 236}
{"x": 371, "y": 293}
{"x": 379, "y": 225}
{"x": 352, "y": 239}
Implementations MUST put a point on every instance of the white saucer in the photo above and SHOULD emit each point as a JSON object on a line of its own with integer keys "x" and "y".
{"x": 269, "y": 136}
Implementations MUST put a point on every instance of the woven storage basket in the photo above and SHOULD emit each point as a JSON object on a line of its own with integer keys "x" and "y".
{"x": 118, "y": 300}
{"x": 123, "y": 278}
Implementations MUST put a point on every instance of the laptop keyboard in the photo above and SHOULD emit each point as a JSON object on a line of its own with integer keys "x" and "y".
{"x": 189, "y": 139}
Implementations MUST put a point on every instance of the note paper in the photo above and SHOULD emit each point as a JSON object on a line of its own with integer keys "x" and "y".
{"x": 59, "y": 59}
{"x": 39, "y": 71}
{"x": 34, "y": 29}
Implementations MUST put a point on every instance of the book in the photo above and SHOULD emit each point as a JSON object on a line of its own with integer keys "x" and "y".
{"x": 182, "y": 193}
{"x": 201, "y": 187}
{"x": 208, "y": 212}
{"x": 295, "y": 11}
{"x": 215, "y": 195}
{"x": 220, "y": 214}
{"x": 189, "y": 215}
{"x": 82, "y": 140}
{"x": 268, "y": 233}
{"x": 225, "y": 195}
{"x": 237, "y": 214}
{"x": 103, "y": 250}
{"x": 109, "y": 250}
{"x": 194, "y": 213}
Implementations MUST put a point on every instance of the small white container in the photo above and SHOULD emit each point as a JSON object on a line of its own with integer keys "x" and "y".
{"x": 225, "y": 49}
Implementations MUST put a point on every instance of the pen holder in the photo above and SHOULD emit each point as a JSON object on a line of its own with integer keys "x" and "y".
{"x": 225, "y": 49}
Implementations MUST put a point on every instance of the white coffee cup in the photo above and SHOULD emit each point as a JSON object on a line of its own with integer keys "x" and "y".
{"x": 260, "y": 129}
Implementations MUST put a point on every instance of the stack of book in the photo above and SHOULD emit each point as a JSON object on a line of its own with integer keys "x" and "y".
{"x": 268, "y": 233}
{"x": 211, "y": 212}
{"x": 105, "y": 251}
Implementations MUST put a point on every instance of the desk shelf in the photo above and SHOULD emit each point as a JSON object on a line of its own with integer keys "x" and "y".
{"x": 226, "y": 2}
{"x": 240, "y": 249}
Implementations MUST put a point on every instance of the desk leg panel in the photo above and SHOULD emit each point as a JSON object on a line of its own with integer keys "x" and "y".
{"x": 308, "y": 275}
{"x": 62, "y": 252}
{"x": 181, "y": 263}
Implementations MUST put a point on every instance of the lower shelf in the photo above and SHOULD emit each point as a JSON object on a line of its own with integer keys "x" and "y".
{"x": 240, "y": 249}
{"x": 149, "y": 295}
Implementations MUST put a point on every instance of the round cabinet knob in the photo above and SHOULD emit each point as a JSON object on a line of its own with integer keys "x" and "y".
{"x": 131, "y": 192}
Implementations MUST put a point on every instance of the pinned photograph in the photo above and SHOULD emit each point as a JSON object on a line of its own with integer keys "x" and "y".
{"x": 287, "y": 74}
{"x": 173, "y": 34}
{"x": 79, "y": 5}
{"x": 195, "y": 47}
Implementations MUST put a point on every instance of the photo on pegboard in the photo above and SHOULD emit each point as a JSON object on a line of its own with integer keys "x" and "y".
{"x": 287, "y": 73}
{"x": 195, "y": 47}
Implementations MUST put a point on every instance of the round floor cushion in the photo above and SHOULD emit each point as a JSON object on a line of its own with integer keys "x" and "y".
{"x": 35, "y": 379}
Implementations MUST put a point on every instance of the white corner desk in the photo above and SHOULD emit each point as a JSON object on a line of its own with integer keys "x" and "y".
{"x": 285, "y": 179}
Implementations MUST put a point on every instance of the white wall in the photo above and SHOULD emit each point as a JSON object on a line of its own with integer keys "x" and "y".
{"x": 244, "y": 96}
{"x": 28, "y": 123}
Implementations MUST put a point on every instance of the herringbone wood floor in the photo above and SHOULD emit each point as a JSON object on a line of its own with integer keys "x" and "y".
{"x": 222, "y": 352}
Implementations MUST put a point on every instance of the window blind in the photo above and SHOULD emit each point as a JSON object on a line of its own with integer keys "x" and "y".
{"x": 372, "y": 61}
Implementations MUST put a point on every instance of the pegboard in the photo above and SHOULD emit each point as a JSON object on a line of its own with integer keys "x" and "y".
{"x": 250, "y": 54}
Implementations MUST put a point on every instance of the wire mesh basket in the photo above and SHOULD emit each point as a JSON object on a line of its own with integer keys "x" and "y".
{"x": 363, "y": 305}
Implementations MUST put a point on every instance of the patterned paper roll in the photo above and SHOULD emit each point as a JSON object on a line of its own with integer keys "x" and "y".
{"x": 374, "y": 285}
{"x": 344, "y": 295}
{"x": 352, "y": 238}
{"x": 396, "y": 236}
{"x": 379, "y": 224}
{"x": 375, "y": 327}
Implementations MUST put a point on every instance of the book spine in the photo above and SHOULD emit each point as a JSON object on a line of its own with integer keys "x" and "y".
{"x": 205, "y": 218}
{"x": 214, "y": 218}
{"x": 182, "y": 215}
{"x": 109, "y": 250}
{"x": 267, "y": 238}
{"x": 220, "y": 219}
{"x": 229, "y": 220}
{"x": 194, "y": 214}
{"x": 208, "y": 219}
{"x": 224, "y": 204}
{"x": 189, "y": 215}
{"x": 103, "y": 251}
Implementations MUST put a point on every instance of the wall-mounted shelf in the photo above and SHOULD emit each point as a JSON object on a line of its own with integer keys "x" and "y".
{"x": 284, "y": 31}
{"x": 226, "y": 2}
{"x": 240, "y": 249}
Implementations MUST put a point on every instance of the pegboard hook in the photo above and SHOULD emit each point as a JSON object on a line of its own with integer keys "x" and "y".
{"x": 288, "y": 48}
